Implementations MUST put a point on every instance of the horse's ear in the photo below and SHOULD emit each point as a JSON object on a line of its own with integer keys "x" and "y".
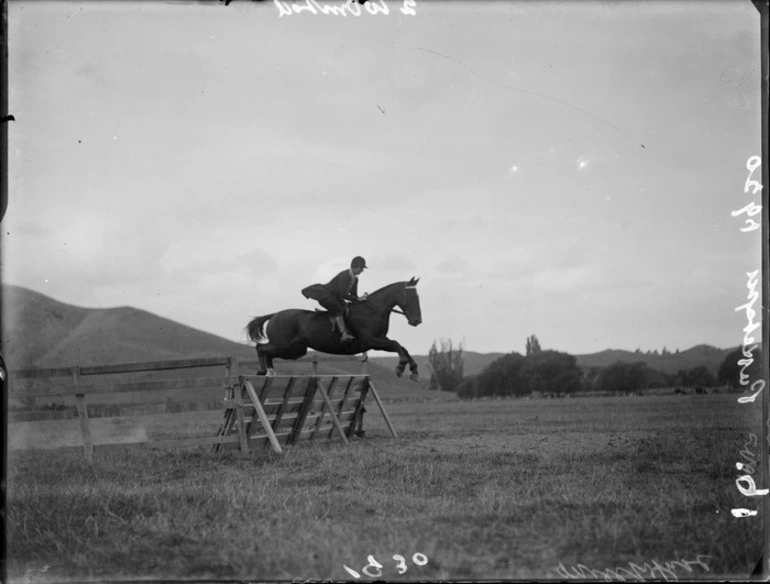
{"x": 413, "y": 281}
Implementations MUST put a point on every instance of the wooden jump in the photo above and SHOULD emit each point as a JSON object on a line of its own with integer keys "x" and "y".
{"x": 285, "y": 409}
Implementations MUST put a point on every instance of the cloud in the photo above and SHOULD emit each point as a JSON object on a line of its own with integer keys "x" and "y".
{"x": 567, "y": 279}
{"x": 453, "y": 265}
{"x": 395, "y": 263}
{"x": 29, "y": 229}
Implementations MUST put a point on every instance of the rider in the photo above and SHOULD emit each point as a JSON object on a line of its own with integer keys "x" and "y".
{"x": 333, "y": 295}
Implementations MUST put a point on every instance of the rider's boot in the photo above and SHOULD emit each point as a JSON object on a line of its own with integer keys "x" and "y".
{"x": 346, "y": 336}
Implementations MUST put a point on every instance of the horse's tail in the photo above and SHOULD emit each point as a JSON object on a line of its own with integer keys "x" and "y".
{"x": 255, "y": 328}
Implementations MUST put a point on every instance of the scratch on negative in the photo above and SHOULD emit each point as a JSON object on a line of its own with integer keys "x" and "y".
{"x": 513, "y": 88}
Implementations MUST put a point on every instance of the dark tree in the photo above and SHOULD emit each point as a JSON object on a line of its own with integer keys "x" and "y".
{"x": 533, "y": 346}
{"x": 552, "y": 372}
{"x": 502, "y": 376}
{"x": 468, "y": 388}
{"x": 740, "y": 362}
{"x": 446, "y": 366}
{"x": 624, "y": 377}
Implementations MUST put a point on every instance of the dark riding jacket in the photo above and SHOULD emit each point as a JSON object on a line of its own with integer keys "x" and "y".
{"x": 344, "y": 286}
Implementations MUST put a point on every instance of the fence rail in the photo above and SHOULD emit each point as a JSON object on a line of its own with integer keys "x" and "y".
{"x": 70, "y": 382}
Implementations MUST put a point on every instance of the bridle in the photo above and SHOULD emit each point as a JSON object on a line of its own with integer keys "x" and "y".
{"x": 396, "y": 310}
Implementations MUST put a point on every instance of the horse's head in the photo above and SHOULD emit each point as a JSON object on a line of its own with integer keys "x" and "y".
{"x": 410, "y": 303}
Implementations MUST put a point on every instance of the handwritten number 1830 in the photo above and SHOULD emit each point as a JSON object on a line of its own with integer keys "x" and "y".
{"x": 374, "y": 569}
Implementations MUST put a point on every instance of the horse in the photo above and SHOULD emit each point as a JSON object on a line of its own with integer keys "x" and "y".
{"x": 288, "y": 334}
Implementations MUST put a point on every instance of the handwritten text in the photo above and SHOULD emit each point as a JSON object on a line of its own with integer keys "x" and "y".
{"x": 752, "y": 208}
{"x": 344, "y": 9}
{"x": 745, "y": 483}
{"x": 652, "y": 571}
{"x": 418, "y": 559}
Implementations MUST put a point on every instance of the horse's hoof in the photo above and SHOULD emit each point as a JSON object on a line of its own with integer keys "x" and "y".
{"x": 399, "y": 372}
{"x": 270, "y": 373}
{"x": 414, "y": 377}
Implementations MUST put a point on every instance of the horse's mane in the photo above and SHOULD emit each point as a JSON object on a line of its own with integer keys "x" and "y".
{"x": 384, "y": 289}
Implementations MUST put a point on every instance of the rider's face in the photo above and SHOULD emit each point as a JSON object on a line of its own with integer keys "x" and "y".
{"x": 357, "y": 270}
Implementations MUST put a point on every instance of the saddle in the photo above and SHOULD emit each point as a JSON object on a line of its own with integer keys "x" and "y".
{"x": 333, "y": 320}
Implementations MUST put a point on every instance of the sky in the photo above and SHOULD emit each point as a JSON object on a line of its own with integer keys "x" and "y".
{"x": 563, "y": 169}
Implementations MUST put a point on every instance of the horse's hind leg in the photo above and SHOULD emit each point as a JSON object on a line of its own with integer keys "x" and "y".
{"x": 265, "y": 361}
{"x": 269, "y": 352}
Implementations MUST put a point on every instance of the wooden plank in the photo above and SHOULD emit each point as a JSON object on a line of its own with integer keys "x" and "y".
{"x": 312, "y": 383}
{"x": 249, "y": 410}
{"x": 342, "y": 402}
{"x": 334, "y": 419}
{"x": 382, "y": 409}
{"x": 159, "y": 366}
{"x": 224, "y": 429}
{"x": 198, "y": 441}
{"x": 279, "y": 411}
{"x": 120, "y": 368}
{"x": 138, "y": 386}
{"x": 359, "y": 413}
{"x": 85, "y": 429}
{"x": 66, "y": 413}
{"x": 262, "y": 417}
{"x": 115, "y": 411}
{"x": 230, "y": 417}
{"x": 154, "y": 366}
{"x": 39, "y": 373}
{"x": 149, "y": 444}
{"x": 338, "y": 405}
{"x": 232, "y": 370}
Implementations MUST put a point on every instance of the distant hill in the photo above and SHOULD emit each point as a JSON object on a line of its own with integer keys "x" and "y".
{"x": 40, "y": 332}
{"x": 706, "y": 355}
{"x": 698, "y": 355}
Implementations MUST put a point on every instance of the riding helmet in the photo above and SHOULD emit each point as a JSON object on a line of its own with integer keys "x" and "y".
{"x": 358, "y": 262}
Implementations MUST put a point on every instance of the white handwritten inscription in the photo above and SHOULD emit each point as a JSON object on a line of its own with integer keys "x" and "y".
{"x": 344, "y": 9}
{"x": 653, "y": 571}
{"x": 750, "y": 462}
{"x": 752, "y": 208}
{"x": 745, "y": 483}
{"x": 418, "y": 559}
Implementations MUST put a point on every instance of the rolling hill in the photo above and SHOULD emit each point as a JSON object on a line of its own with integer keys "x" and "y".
{"x": 698, "y": 355}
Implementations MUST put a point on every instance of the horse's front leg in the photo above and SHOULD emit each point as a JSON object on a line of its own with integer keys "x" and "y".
{"x": 404, "y": 358}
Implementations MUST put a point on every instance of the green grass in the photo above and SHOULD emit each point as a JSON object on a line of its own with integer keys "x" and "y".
{"x": 506, "y": 489}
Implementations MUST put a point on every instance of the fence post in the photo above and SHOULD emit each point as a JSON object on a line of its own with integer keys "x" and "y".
{"x": 85, "y": 429}
{"x": 359, "y": 425}
{"x": 236, "y": 393}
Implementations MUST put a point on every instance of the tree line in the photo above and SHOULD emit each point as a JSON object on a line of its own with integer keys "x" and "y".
{"x": 541, "y": 371}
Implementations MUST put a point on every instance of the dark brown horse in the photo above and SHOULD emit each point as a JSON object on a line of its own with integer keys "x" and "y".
{"x": 289, "y": 333}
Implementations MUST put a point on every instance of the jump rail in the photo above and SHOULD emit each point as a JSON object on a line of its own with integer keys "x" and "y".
{"x": 293, "y": 408}
{"x": 29, "y": 385}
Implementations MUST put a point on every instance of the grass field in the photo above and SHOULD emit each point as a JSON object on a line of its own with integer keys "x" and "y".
{"x": 506, "y": 489}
